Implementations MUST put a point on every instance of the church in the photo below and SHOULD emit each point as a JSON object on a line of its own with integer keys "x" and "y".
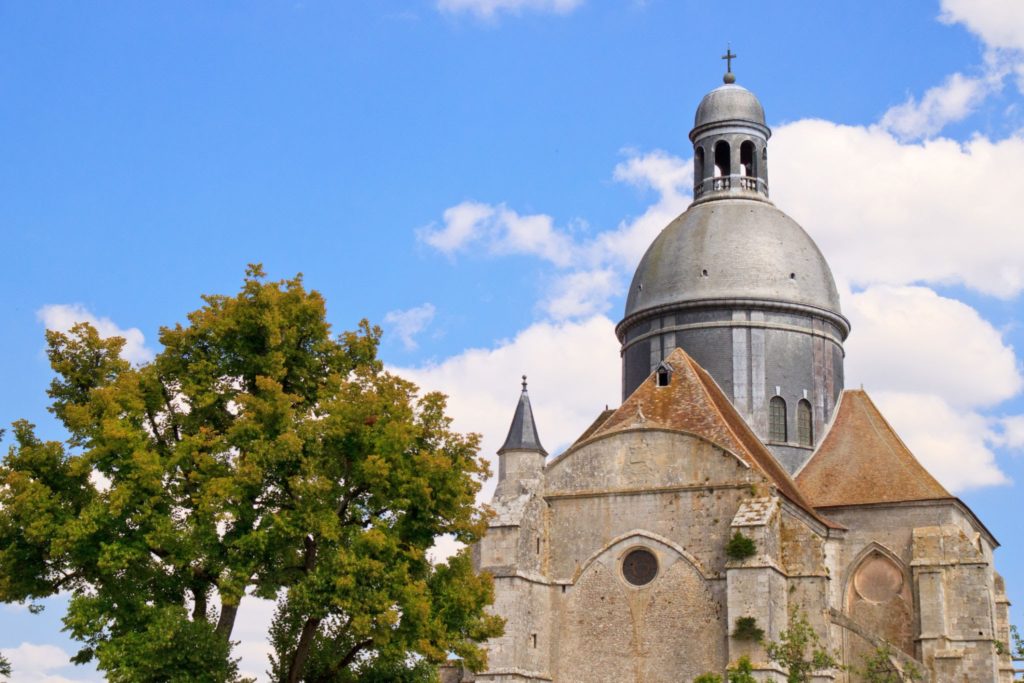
{"x": 739, "y": 483}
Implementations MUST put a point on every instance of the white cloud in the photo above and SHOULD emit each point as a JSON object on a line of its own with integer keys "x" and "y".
{"x": 500, "y": 231}
{"x": 1000, "y": 23}
{"x": 910, "y": 339}
{"x": 252, "y": 626}
{"x": 1011, "y": 432}
{"x": 950, "y": 442}
{"x": 931, "y": 363}
{"x": 573, "y": 370}
{"x": 582, "y": 294}
{"x": 489, "y": 9}
{"x": 409, "y": 323}
{"x": 62, "y": 317}
{"x": 33, "y": 663}
{"x": 589, "y": 271}
{"x": 885, "y": 212}
{"x": 952, "y": 101}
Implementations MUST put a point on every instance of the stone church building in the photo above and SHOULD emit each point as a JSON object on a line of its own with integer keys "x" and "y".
{"x": 612, "y": 561}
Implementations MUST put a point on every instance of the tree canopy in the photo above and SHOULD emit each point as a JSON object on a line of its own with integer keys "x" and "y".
{"x": 256, "y": 455}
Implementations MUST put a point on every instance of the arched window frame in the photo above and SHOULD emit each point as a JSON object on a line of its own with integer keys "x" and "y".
{"x": 804, "y": 423}
{"x": 777, "y": 419}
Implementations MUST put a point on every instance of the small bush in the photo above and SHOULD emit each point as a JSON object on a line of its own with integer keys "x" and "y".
{"x": 742, "y": 672}
{"x": 708, "y": 678}
{"x": 747, "y": 629}
{"x": 740, "y": 547}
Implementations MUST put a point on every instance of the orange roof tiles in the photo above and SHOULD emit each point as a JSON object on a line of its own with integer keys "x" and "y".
{"x": 861, "y": 461}
{"x": 694, "y": 403}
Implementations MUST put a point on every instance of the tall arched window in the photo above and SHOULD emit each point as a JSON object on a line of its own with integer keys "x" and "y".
{"x": 777, "y": 419}
{"x": 698, "y": 165}
{"x": 804, "y": 424}
{"x": 723, "y": 162}
{"x": 747, "y": 159}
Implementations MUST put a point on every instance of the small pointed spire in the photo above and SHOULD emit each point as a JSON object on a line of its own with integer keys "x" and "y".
{"x": 522, "y": 434}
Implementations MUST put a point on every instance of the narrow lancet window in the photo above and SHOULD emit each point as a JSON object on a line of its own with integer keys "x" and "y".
{"x": 723, "y": 164}
{"x": 804, "y": 424}
{"x": 777, "y": 419}
{"x": 698, "y": 166}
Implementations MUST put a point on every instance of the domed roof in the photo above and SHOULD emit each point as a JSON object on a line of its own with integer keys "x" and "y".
{"x": 735, "y": 249}
{"x": 729, "y": 102}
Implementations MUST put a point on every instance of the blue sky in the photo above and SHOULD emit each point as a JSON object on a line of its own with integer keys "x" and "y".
{"x": 481, "y": 176}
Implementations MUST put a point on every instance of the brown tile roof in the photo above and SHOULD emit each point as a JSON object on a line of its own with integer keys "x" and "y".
{"x": 694, "y": 403}
{"x": 861, "y": 461}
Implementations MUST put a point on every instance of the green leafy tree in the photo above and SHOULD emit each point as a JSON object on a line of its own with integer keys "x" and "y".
{"x": 257, "y": 454}
{"x": 5, "y": 667}
{"x": 799, "y": 650}
{"x": 878, "y": 667}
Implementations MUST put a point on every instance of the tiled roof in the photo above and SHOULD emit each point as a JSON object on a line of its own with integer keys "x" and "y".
{"x": 692, "y": 402}
{"x": 861, "y": 461}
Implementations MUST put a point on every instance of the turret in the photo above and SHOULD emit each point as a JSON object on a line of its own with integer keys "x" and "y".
{"x": 521, "y": 457}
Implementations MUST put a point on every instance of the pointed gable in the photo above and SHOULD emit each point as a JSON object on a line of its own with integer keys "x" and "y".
{"x": 861, "y": 461}
{"x": 522, "y": 434}
{"x": 692, "y": 402}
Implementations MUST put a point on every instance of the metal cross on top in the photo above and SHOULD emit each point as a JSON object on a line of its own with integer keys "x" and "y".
{"x": 728, "y": 57}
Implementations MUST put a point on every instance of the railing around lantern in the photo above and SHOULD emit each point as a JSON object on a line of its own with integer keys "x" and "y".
{"x": 730, "y": 182}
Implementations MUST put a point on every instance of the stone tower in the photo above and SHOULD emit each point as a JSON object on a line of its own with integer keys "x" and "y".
{"x": 739, "y": 286}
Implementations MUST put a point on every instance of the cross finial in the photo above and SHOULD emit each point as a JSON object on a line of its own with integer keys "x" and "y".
{"x": 728, "y": 57}
{"x": 524, "y": 382}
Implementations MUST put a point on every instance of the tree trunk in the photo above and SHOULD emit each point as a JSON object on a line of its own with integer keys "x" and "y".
{"x": 298, "y": 662}
{"x": 226, "y": 623}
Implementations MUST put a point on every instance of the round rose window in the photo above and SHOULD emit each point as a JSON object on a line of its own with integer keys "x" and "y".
{"x": 640, "y": 567}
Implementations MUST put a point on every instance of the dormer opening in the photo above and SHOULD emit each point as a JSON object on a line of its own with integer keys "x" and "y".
{"x": 747, "y": 159}
{"x": 664, "y": 374}
{"x": 723, "y": 161}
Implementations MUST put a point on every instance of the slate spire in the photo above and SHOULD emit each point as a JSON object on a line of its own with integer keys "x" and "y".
{"x": 522, "y": 435}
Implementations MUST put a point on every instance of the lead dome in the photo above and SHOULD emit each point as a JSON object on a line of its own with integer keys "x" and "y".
{"x": 742, "y": 288}
{"x": 729, "y": 102}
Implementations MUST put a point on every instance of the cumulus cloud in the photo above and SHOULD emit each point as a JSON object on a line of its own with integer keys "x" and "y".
{"x": 911, "y": 339}
{"x": 589, "y": 271}
{"x": 489, "y": 9}
{"x": 573, "y": 371}
{"x": 952, "y": 101}
{"x": 409, "y": 323}
{"x": 582, "y": 294}
{"x": 997, "y": 22}
{"x": 499, "y": 231}
{"x": 1011, "y": 432}
{"x": 932, "y": 363}
{"x": 950, "y": 442}
{"x": 34, "y": 663}
{"x": 886, "y": 212}
{"x": 62, "y": 317}
{"x": 251, "y": 628}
